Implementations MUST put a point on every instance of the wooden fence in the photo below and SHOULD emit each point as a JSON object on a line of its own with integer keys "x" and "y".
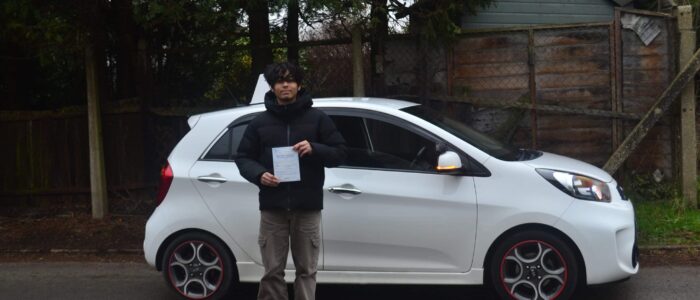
{"x": 587, "y": 67}
{"x": 602, "y": 74}
{"x": 45, "y": 163}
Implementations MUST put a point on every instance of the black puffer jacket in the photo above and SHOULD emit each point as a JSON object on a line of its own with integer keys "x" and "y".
{"x": 286, "y": 125}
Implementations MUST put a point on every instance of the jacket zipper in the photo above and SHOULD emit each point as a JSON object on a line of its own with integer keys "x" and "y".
{"x": 289, "y": 200}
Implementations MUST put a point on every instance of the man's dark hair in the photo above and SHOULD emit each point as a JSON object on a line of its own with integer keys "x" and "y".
{"x": 283, "y": 71}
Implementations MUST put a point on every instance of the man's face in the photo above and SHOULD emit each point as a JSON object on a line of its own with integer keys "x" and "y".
{"x": 286, "y": 89}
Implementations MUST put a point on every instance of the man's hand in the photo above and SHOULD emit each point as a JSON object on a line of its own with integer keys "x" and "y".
{"x": 303, "y": 148}
{"x": 269, "y": 180}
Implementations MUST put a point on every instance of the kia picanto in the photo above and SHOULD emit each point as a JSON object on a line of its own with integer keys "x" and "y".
{"x": 421, "y": 199}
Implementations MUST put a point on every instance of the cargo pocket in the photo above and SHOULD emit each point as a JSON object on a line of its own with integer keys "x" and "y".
{"x": 262, "y": 241}
{"x": 315, "y": 241}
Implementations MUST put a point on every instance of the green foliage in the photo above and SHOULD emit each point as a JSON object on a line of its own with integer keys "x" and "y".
{"x": 197, "y": 51}
{"x": 195, "y": 43}
{"x": 440, "y": 19}
{"x": 645, "y": 188}
{"x": 42, "y": 42}
{"x": 662, "y": 223}
{"x": 662, "y": 215}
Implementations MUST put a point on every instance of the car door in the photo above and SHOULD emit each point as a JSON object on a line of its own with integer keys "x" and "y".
{"x": 387, "y": 209}
{"x": 230, "y": 197}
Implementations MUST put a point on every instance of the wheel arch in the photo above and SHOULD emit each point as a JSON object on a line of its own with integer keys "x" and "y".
{"x": 174, "y": 235}
{"x": 534, "y": 226}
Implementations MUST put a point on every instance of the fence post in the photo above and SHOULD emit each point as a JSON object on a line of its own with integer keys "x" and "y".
{"x": 688, "y": 135}
{"x": 358, "y": 78}
{"x": 672, "y": 92}
{"x": 98, "y": 182}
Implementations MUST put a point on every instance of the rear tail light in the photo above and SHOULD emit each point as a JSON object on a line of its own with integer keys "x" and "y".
{"x": 166, "y": 178}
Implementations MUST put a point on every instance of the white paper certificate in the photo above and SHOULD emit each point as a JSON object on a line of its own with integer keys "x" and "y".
{"x": 285, "y": 162}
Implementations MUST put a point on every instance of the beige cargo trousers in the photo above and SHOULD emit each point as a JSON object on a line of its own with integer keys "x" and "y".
{"x": 279, "y": 229}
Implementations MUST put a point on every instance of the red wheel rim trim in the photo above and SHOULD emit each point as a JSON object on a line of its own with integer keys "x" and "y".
{"x": 220, "y": 264}
{"x": 561, "y": 258}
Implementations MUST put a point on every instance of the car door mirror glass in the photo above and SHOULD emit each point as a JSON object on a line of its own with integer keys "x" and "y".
{"x": 449, "y": 162}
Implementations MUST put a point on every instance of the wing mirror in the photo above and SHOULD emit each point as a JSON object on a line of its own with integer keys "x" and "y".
{"x": 449, "y": 162}
{"x": 440, "y": 148}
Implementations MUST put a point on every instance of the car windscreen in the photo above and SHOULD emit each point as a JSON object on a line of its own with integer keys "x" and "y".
{"x": 479, "y": 140}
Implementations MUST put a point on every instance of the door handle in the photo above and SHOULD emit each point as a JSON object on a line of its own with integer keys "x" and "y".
{"x": 211, "y": 179}
{"x": 342, "y": 190}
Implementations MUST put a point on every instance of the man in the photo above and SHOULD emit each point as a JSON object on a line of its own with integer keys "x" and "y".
{"x": 289, "y": 210}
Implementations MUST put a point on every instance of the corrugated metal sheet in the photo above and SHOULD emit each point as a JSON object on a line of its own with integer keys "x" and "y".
{"x": 508, "y": 13}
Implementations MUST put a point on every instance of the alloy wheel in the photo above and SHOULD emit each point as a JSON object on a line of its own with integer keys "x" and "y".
{"x": 534, "y": 270}
{"x": 195, "y": 269}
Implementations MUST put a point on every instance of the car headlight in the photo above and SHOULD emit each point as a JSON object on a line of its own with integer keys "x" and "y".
{"x": 578, "y": 186}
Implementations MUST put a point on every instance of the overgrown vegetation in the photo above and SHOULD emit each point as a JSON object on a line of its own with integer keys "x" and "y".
{"x": 662, "y": 216}
{"x": 644, "y": 187}
{"x": 662, "y": 223}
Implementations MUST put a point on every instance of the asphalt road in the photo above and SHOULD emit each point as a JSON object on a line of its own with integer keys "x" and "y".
{"x": 71, "y": 280}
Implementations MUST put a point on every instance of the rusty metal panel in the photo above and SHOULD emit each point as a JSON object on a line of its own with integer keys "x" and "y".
{"x": 495, "y": 84}
{"x": 577, "y": 36}
{"x": 573, "y": 69}
{"x": 587, "y": 67}
{"x": 573, "y": 80}
{"x": 533, "y": 87}
{"x": 651, "y": 154}
{"x": 515, "y": 54}
{"x": 572, "y": 52}
{"x": 492, "y": 62}
{"x": 595, "y": 65}
{"x": 468, "y": 71}
{"x": 586, "y": 97}
{"x": 591, "y": 143}
{"x": 646, "y": 91}
{"x": 571, "y": 122}
{"x": 492, "y": 66}
{"x": 646, "y": 72}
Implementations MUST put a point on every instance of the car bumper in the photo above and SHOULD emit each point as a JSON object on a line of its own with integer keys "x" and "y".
{"x": 150, "y": 244}
{"x": 605, "y": 234}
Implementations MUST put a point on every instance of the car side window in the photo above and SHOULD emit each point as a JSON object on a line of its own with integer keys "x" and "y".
{"x": 227, "y": 146}
{"x": 378, "y": 144}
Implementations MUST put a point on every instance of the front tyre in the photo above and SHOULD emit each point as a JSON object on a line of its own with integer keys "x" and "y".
{"x": 197, "y": 266}
{"x": 534, "y": 265}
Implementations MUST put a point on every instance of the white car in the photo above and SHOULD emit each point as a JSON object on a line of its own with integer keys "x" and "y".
{"x": 421, "y": 199}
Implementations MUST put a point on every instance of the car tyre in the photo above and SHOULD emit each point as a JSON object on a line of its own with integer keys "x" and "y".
{"x": 198, "y": 266}
{"x": 534, "y": 265}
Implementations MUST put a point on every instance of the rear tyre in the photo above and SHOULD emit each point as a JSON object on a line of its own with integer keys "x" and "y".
{"x": 534, "y": 265}
{"x": 198, "y": 266}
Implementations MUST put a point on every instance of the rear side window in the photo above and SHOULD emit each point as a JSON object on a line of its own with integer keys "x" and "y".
{"x": 226, "y": 148}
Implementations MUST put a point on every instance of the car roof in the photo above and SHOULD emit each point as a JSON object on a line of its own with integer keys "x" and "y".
{"x": 384, "y": 102}
{"x": 355, "y": 102}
